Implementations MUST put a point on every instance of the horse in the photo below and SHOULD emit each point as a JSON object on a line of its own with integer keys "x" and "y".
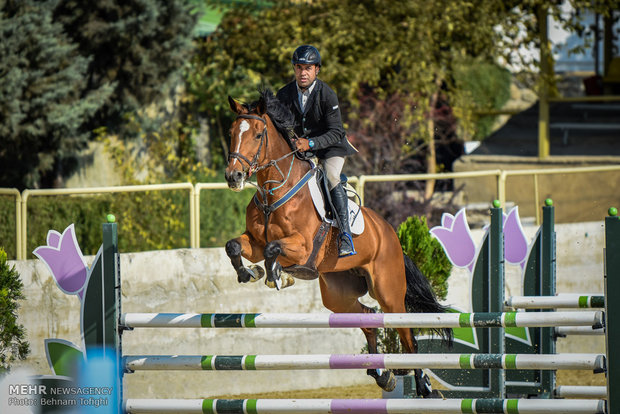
{"x": 283, "y": 229}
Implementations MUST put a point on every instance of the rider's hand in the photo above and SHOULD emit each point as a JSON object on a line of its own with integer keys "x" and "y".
{"x": 302, "y": 144}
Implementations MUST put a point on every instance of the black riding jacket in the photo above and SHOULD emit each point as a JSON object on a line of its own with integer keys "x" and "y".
{"x": 321, "y": 119}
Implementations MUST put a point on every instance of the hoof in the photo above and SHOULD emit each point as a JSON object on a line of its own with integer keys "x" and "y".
{"x": 257, "y": 273}
{"x": 244, "y": 275}
{"x": 386, "y": 381}
{"x": 271, "y": 284}
{"x": 435, "y": 394}
{"x": 284, "y": 282}
{"x": 424, "y": 388}
{"x": 251, "y": 274}
{"x": 287, "y": 280}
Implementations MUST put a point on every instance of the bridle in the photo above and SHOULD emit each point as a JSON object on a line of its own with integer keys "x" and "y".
{"x": 253, "y": 167}
{"x": 264, "y": 137}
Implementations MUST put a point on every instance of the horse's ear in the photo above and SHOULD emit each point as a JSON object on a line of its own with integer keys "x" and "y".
{"x": 261, "y": 108}
{"x": 235, "y": 106}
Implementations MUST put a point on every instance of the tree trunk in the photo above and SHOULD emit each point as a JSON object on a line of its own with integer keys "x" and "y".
{"x": 431, "y": 158}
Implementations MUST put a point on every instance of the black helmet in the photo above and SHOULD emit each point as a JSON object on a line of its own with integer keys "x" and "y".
{"x": 306, "y": 55}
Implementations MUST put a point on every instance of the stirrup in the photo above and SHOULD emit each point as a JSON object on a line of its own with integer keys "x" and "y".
{"x": 346, "y": 237}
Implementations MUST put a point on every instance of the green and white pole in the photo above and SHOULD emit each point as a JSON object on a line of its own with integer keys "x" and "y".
{"x": 591, "y": 362}
{"x": 367, "y": 406}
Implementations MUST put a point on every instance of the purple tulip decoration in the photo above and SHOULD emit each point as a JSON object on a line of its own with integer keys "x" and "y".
{"x": 515, "y": 243}
{"x": 64, "y": 259}
{"x": 455, "y": 237}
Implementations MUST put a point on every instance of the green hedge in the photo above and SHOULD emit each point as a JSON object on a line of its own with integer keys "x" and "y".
{"x": 8, "y": 227}
{"x": 426, "y": 252}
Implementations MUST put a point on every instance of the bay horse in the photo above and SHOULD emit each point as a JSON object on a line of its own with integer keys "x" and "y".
{"x": 280, "y": 229}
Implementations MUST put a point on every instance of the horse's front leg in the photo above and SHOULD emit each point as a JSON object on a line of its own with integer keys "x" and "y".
{"x": 293, "y": 249}
{"x": 242, "y": 245}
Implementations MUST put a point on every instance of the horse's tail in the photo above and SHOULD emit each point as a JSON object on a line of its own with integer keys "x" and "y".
{"x": 421, "y": 299}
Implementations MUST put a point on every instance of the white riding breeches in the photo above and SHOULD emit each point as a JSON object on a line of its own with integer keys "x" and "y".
{"x": 332, "y": 167}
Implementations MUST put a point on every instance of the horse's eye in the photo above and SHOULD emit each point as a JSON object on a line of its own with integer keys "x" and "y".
{"x": 259, "y": 135}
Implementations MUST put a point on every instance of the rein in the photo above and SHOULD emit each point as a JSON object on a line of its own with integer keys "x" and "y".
{"x": 253, "y": 167}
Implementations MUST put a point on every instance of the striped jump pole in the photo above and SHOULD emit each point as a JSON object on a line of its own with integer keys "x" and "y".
{"x": 563, "y": 331}
{"x": 367, "y": 406}
{"x": 595, "y": 362}
{"x": 565, "y": 300}
{"x": 579, "y": 391}
{"x": 361, "y": 320}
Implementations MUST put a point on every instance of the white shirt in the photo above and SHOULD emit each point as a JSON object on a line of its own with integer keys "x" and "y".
{"x": 304, "y": 95}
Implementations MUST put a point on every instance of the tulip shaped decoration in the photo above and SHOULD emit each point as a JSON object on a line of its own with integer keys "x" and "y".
{"x": 515, "y": 243}
{"x": 455, "y": 237}
{"x": 64, "y": 259}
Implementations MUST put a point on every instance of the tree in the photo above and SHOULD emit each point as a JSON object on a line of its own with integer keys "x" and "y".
{"x": 69, "y": 67}
{"x": 44, "y": 103}
{"x": 416, "y": 50}
{"x": 137, "y": 46}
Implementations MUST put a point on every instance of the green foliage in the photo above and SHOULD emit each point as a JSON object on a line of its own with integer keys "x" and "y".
{"x": 147, "y": 221}
{"x": 137, "y": 46}
{"x": 44, "y": 99}
{"x": 408, "y": 50}
{"x": 482, "y": 86}
{"x": 222, "y": 214}
{"x": 13, "y": 344}
{"x": 47, "y": 213}
{"x": 8, "y": 226}
{"x": 426, "y": 252}
{"x": 68, "y": 67}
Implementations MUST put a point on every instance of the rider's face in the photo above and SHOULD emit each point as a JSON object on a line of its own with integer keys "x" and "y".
{"x": 305, "y": 74}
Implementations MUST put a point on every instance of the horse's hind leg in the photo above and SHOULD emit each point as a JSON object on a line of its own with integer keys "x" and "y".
{"x": 384, "y": 379}
{"x": 340, "y": 292}
{"x": 390, "y": 290}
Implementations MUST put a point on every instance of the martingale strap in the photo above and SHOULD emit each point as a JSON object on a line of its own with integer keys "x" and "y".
{"x": 270, "y": 208}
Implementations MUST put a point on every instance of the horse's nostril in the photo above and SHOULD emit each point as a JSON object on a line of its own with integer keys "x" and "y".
{"x": 234, "y": 176}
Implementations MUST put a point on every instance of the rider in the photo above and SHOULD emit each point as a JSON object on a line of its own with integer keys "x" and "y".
{"x": 319, "y": 124}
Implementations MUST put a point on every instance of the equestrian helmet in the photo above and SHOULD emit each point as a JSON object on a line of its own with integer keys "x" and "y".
{"x": 306, "y": 55}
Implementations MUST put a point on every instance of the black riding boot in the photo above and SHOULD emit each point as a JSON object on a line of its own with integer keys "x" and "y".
{"x": 340, "y": 202}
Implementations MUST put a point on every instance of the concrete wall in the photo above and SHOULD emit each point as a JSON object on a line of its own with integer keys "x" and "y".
{"x": 201, "y": 280}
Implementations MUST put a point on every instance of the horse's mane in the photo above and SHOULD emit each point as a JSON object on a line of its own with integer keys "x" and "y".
{"x": 282, "y": 118}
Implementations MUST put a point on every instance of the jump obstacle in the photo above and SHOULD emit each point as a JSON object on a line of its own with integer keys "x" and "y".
{"x": 539, "y": 286}
{"x": 110, "y": 330}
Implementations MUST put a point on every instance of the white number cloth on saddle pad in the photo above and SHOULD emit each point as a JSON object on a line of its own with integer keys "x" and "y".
{"x": 356, "y": 218}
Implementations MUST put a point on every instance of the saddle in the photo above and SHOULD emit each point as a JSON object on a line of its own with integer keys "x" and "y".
{"x": 322, "y": 203}
{"x": 320, "y": 197}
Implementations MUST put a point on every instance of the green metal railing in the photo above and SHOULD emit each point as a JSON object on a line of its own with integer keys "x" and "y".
{"x": 21, "y": 200}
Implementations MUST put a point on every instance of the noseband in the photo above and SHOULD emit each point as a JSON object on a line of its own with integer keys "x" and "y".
{"x": 252, "y": 165}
